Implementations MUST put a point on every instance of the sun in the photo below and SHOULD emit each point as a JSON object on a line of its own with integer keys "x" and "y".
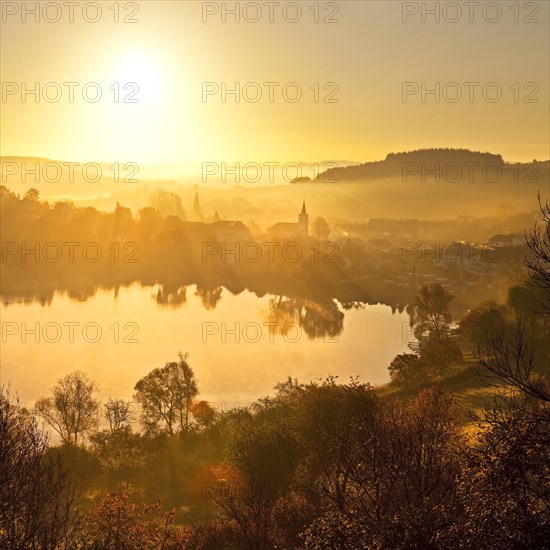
{"x": 137, "y": 121}
{"x": 139, "y": 68}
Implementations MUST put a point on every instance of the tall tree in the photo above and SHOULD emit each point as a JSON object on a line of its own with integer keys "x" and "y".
{"x": 506, "y": 490}
{"x": 514, "y": 359}
{"x": 72, "y": 410}
{"x": 36, "y": 495}
{"x": 538, "y": 241}
{"x": 197, "y": 211}
{"x": 506, "y": 487}
{"x": 391, "y": 480}
{"x": 320, "y": 228}
{"x": 431, "y": 311}
{"x": 32, "y": 194}
{"x": 166, "y": 203}
{"x": 118, "y": 413}
{"x": 166, "y": 396}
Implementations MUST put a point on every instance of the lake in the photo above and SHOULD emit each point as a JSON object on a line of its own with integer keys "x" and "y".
{"x": 238, "y": 348}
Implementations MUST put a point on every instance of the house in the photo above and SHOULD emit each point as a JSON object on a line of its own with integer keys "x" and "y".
{"x": 228, "y": 231}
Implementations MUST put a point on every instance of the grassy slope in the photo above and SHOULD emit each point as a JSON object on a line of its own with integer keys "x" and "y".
{"x": 462, "y": 380}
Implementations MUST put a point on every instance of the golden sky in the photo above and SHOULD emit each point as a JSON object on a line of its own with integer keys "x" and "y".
{"x": 362, "y": 59}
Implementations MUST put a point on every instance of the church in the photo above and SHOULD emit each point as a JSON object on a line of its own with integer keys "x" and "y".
{"x": 285, "y": 231}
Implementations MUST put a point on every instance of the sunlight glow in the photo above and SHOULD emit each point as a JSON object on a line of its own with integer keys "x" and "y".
{"x": 142, "y": 69}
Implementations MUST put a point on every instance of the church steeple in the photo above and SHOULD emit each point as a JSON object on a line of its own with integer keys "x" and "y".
{"x": 303, "y": 221}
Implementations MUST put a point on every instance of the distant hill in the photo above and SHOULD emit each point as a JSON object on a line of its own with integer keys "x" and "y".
{"x": 353, "y": 193}
{"x": 459, "y": 164}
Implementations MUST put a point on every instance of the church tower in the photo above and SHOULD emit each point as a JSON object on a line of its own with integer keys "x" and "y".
{"x": 303, "y": 221}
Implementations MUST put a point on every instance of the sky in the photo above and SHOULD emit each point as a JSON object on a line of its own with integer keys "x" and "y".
{"x": 351, "y": 67}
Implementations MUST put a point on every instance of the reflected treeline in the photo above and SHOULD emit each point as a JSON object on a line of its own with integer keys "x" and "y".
{"x": 298, "y": 307}
{"x": 209, "y": 297}
{"x": 44, "y": 294}
{"x": 320, "y": 318}
{"x": 171, "y": 295}
{"x": 176, "y": 296}
{"x": 316, "y": 319}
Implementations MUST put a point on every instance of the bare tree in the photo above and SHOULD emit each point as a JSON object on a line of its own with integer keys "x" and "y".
{"x": 390, "y": 480}
{"x": 167, "y": 203}
{"x": 249, "y": 504}
{"x": 509, "y": 356}
{"x": 538, "y": 241}
{"x": 72, "y": 410}
{"x": 508, "y": 361}
{"x": 118, "y": 413}
{"x": 36, "y": 495}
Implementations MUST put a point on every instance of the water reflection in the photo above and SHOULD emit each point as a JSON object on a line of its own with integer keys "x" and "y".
{"x": 316, "y": 317}
{"x": 170, "y": 295}
{"x": 231, "y": 365}
{"x": 209, "y": 297}
{"x": 318, "y": 320}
